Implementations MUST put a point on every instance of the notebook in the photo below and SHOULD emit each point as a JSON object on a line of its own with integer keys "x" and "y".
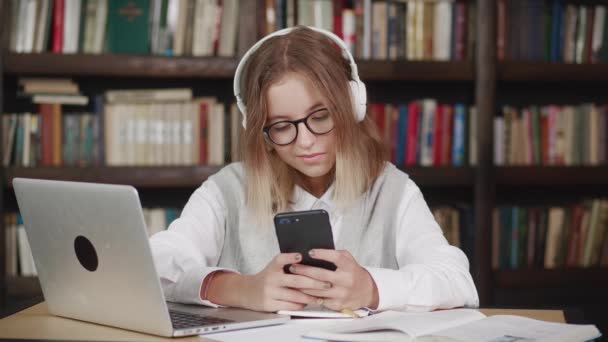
{"x": 452, "y": 325}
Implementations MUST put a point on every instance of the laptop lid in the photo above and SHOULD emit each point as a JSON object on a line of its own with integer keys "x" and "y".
{"x": 91, "y": 251}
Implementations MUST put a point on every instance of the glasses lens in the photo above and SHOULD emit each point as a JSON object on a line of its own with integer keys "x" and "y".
{"x": 282, "y": 133}
{"x": 320, "y": 122}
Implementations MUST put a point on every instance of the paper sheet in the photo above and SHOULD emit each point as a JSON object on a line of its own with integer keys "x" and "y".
{"x": 290, "y": 331}
{"x": 505, "y": 328}
{"x": 318, "y": 311}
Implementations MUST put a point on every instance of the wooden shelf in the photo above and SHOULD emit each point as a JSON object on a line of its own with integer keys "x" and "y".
{"x": 574, "y": 278}
{"x": 192, "y": 176}
{"x": 545, "y": 71}
{"x": 415, "y": 71}
{"x": 440, "y": 176}
{"x": 23, "y": 286}
{"x": 149, "y": 177}
{"x": 50, "y": 64}
{"x": 210, "y": 67}
{"x": 552, "y": 175}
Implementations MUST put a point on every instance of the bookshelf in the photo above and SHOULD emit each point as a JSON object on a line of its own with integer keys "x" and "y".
{"x": 483, "y": 79}
{"x": 551, "y": 72}
{"x": 52, "y": 64}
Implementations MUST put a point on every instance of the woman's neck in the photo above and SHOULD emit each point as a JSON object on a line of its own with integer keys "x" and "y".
{"x": 316, "y": 186}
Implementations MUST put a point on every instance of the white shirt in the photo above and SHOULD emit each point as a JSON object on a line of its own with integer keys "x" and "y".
{"x": 436, "y": 275}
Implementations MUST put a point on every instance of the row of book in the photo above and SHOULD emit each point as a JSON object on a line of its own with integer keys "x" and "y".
{"x": 551, "y": 237}
{"x": 457, "y": 225}
{"x": 126, "y": 128}
{"x": 19, "y": 260}
{"x": 554, "y": 30}
{"x": 196, "y": 131}
{"x": 428, "y": 133}
{"x": 552, "y": 135}
{"x": 386, "y": 30}
{"x": 160, "y": 27}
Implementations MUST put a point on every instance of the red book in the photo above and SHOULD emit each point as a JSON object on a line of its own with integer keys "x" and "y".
{"x": 204, "y": 113}
{"x": 437, "y": 135}
{"x": 378, "y": 115}
{"x": 448, "y": 126}
{"x": 501, "y": 30}
{"x": 394, "y": 113}
{"x": 461, "y": 31}
{"x": 575, "y": 236}
{"x": 46, "y": 132}
{"x": 413, "y": 113}
{"x": 338, "y": 6}
{"x": 58, "y": 26}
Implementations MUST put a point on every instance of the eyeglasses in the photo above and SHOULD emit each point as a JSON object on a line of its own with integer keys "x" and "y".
{"x": 285, "y": 132}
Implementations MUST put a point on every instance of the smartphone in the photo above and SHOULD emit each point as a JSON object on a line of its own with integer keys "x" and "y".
{"x": 301, "y": 231}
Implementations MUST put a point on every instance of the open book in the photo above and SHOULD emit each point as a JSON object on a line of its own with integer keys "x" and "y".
{"x": 319, "y": 311}
{"x": 453, "y": 325}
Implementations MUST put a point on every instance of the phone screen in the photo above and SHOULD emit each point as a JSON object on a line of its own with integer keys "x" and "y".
{"x": 301, "y": 231}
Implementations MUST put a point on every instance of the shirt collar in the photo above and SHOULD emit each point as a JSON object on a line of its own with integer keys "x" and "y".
{"x": 303, "y": 200}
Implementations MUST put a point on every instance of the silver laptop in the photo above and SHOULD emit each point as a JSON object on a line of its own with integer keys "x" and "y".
{"x": 94, "y": 263}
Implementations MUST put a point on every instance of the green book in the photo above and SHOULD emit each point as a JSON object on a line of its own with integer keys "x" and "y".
{"x": 522, "y": 256}
{"x": 127, "y": 30}
{"x": 604, "y": 49}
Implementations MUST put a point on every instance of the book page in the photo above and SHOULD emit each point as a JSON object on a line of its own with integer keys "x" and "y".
{"x": 319, "y": 311}
{"x": 506, "y": 328}
{"x": 411, "y": 324}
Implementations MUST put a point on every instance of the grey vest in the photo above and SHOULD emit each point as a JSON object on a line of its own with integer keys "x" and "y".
{"x": 368, "y": 232}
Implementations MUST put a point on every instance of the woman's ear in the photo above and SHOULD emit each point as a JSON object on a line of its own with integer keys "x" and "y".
{"x": 268, "y": 144}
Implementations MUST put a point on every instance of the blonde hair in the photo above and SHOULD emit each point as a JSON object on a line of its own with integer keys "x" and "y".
{"x": 360, "y": 153}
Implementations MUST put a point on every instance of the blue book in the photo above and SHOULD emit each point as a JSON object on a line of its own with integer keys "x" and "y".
{"x": 401, "y": 135}
{"x": 514, "y": 237}
{"x": 556, "y": 27}
{"x": 458, "y": 135}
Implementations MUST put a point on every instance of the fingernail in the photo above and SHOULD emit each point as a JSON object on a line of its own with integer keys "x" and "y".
{"x": 320, "y": 301}
{"x": 327, "y": 285}
{"x": 311, "y": 252}
{"x": 298, "y": 257}
{"x": 292, "y": 269}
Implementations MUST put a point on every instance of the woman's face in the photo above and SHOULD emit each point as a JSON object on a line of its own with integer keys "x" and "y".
{"x": 294, "y": 98}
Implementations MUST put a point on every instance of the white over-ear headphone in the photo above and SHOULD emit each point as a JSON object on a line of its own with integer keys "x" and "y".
{"x": 357, "y": 88}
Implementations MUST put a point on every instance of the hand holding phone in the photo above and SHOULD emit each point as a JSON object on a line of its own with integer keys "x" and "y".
{"x": 301, "y": 231}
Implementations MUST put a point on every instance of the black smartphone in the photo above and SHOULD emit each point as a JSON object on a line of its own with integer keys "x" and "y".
{"x": 301, "y": 231}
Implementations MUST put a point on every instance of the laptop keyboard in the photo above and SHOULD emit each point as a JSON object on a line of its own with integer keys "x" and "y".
{"x": 183, "y": 320}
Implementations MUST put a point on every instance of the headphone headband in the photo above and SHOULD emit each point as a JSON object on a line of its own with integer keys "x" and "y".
{"x": 331, "y": 35}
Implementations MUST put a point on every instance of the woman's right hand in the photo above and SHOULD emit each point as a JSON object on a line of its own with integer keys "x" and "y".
{"x": 269, "y": 290}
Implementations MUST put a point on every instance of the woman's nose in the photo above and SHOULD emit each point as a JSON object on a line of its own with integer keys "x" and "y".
{"x": 305, "y": 137}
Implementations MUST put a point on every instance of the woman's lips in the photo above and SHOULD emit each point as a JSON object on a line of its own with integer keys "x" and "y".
{"x": 313, "y": 157}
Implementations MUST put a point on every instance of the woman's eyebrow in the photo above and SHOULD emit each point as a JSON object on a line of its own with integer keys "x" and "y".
{"x": 312, "y": 108}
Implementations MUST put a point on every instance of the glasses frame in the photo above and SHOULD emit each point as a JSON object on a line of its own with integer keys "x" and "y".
{"x": 295, "y": 123}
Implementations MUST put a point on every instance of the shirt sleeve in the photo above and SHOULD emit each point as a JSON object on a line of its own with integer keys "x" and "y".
{"x": 190, "y": 248}
{"x": 432, "y": 274}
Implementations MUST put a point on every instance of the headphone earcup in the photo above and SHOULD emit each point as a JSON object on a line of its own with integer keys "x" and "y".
{"x": 359, "y": 99}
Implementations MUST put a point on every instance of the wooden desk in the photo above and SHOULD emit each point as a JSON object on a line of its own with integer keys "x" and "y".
{"x": 36, "y": 323}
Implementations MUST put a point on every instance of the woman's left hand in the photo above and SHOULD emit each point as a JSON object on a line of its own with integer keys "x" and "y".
{"x": 350, "y": 286}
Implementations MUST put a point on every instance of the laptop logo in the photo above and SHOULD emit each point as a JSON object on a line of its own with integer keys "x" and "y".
{"x": 85, "y": 252}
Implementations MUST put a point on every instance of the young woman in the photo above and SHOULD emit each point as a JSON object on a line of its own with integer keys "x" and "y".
{"x": 307, "y": 144}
